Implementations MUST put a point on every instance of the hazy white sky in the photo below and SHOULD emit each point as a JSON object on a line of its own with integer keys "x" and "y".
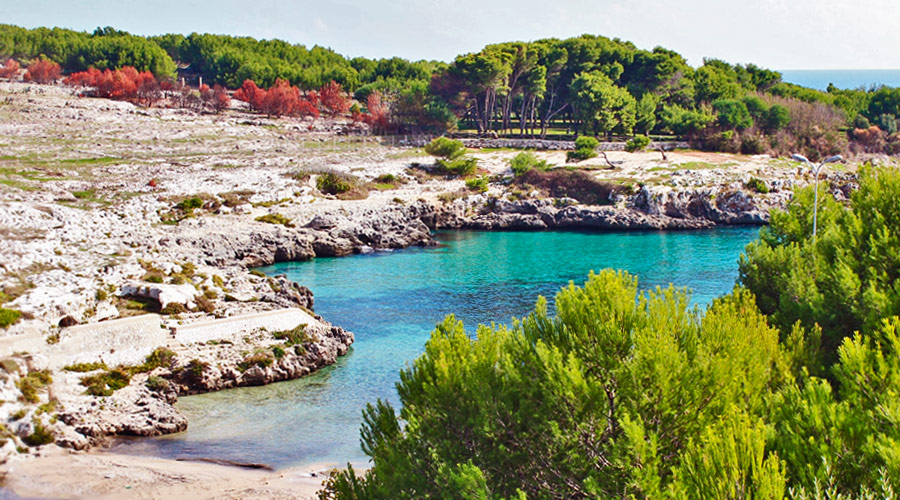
{"x": 777, "y": 34}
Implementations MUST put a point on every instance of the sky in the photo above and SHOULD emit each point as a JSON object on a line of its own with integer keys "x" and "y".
{"x": 775, "y": 34}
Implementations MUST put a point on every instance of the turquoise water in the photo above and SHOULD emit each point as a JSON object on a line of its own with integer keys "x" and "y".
{"x": 842, "y": 78}
{"x": 392, "y": 300}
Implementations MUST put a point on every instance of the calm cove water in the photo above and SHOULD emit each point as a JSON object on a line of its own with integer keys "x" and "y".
{"x": 392, "y": 300}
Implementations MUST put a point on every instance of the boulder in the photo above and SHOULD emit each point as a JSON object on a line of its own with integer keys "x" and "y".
{"x": 164, "y": 294}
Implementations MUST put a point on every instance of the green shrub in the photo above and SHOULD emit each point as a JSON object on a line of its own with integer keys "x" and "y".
{"x": 197, "y": 368}
{"x": 333, "y": 183}
{"x": 40, "y": 436}
{"x": 611, "y": 379}
{"x": 173, "y": 308}
{"x": 104, "y": 384}
{"x": 447, "y": 148}
{"x": 32, "y": 383}
{"x": 525, "y": 161}
{"x": 586, "y": 142}
{"x": 732, "y": 114}
{"x": 85, "y": 367}
{"x": 260, "y": 359}
{"x": 461, "y": 167}
{"x": 752, "y": 144}
{"x": 451, "y": 159}
{"x": 637, "y": 143}
{"x": 275, "y": 219}
{"x": 278, "y": 352}
{"x": 479, "y": 184}
{"x": 294, "y": 336}
{"x": 580, "y": 155}
{"x": 845, "y": 280}
{"x": 757, "y": 185}
{"x": 9, "y": 317}
{"x": 154, "y": 277}
{"x": 157, "y": 384}
{"x": 204, "y": 304}
{"x": 189, "y": 204}
{"x": 161, "y": 357}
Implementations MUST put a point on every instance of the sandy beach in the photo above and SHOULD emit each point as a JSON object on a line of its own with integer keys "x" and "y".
{"x": 100, "y": 475}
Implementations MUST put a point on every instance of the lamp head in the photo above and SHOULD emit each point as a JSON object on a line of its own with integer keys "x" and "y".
{"x": 833, "y": 159}
{"x": 800, "y": 158}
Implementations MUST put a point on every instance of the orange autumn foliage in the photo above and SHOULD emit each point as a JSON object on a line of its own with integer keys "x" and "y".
{"x": 42, "y": 71}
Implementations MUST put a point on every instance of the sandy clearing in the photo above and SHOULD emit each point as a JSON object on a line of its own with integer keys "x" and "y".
{"x": 98, "y": 475}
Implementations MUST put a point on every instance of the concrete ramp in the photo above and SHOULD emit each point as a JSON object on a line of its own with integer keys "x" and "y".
{"x": 125, "y": 341}
{"x": 273, "y": 321}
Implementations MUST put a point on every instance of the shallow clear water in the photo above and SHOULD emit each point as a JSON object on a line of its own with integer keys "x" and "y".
{"x": 392, "y": 300}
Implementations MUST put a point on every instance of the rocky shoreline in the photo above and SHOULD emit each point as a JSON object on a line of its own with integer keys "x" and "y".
{"x": 167, "y": 212}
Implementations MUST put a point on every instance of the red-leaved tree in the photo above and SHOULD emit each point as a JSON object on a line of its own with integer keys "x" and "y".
{"x": 127, "y": 84}
{"x": 334, "y": 99}
{"x": 251, "y": 94}
{"x": 221, "y": 101}
{"x": 42, "y": 71}
{"x": 281, "y": 99}
{"x": 379, "y": 114}
{"x": 9, "y": 69}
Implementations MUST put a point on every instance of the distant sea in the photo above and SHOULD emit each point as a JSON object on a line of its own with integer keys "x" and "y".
{"x": 842, "y": 78}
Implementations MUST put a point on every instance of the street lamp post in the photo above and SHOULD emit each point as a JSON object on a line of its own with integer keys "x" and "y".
{"x": 830, "y": 159}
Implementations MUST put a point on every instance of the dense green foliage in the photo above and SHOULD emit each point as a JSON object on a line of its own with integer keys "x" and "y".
{"x": 585, "y": 147}
{"x": 451, "y": 157}
{"x": 846, "y": 279}
{"x": 9, "y": 317}
{"x": 610, "y": 395}
{"x": 525, "y": 161}
{"x": 637, "y": 143}
{"x": 77, "y": 51}
{"x": 622, "y": 394}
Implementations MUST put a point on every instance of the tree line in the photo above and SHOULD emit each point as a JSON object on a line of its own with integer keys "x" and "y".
{"x": 589, "y": 85}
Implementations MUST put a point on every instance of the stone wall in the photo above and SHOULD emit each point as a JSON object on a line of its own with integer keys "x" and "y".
{"x": 538, "y": 144}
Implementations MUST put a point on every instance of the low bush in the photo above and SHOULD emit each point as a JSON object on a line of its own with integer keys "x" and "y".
{"x": 32, "y": 383}
{"x": 173, "y": 308}
{"x": 40, "y": 436}
{"x": 333, "y": 183}
{"x": 157, "y": 384}
{"x": 570, "y": 184}
{"x": 637, "y": 143}
{"x": 204, "y": 304}
{"x": 297, "y": 335}
{"x": 460, "y": 167}
{"x": 525, "y": 161}
{"x": 260, "y": 359}
{"x": 275, "y": 219}
{"x": 444, "y": 147}
{"x": 586, "y": 142}
{"x": 479, "y": 184}
{"x": 197, "y": 368}
{"x": 160, "y": 357}
{"x": 104, "y": 384}
{"x": 585, "y": 148}
{"x": 757, "y": 185}
{"x": 85, "y": 367}
{"x": 580, "y": 155}
{"x": 9, "y": 317}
